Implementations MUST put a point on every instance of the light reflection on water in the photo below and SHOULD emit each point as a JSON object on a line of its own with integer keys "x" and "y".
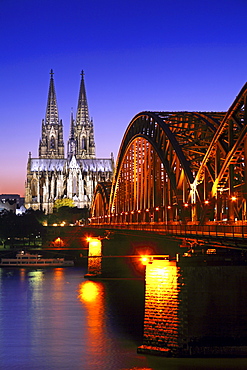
{"x": 56, "y": 319}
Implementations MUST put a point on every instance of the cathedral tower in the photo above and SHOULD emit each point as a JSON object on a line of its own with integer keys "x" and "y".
{"x": 53, "y": 175}
{"x": 83, "y": 127}
{"x": 51, "y": 144}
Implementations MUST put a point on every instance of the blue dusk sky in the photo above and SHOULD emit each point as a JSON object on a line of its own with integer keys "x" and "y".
{"x": 137, "y": 55}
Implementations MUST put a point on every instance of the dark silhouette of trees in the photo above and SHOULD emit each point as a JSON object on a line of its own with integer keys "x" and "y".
{"x": 20, "y": 228}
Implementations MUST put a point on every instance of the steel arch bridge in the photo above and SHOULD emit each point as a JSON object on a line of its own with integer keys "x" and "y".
{"x": 186, "y": 167}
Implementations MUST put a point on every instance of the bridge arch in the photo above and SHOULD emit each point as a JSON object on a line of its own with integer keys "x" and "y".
{"x": 223, "y": 171}
{"x": 181, "y": 166}
{"x": 100, "y": 204}
{"x": 156, "y": 166}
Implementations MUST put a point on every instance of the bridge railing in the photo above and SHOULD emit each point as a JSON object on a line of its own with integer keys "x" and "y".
{"x": 212, "y": 230}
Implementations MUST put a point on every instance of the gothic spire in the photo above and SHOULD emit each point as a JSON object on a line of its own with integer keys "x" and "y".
{"x": 71, "y": 142}
{"x": 82, "y": 116}
{"x": 51, "y": 144}
{"x": 72, "y": 127}
{"x": 51, "y": 116}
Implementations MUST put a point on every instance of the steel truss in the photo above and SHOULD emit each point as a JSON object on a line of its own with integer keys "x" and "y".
{"x": 180, "y": 167}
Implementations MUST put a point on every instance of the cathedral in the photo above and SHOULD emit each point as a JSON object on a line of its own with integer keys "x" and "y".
{"x": 53, "y": 175}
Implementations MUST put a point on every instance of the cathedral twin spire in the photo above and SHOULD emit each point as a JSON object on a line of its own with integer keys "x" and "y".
{"x": 81, "y": 139}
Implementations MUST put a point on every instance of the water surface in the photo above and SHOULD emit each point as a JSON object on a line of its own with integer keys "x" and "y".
{"x": 56, "y": 319}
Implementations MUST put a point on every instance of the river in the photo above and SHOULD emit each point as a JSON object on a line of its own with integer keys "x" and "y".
{"x": 55, "y": 318}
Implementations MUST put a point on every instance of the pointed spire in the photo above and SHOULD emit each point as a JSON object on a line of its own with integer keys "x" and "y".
{"x": 51, "y": 110}
{"x": 82, "y": 116}
{"x": 72, "y": 127}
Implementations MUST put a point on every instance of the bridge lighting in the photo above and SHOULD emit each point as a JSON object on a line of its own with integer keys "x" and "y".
{"x": 233, "y": 198}
{"x": 146, "y": 259}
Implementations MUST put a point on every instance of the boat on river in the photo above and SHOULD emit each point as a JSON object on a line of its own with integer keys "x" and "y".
{"x": 25, "y": 259}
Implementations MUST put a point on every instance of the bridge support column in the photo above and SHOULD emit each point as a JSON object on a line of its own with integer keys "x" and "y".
{"x": 161, "y": 323}
{"x": 94, "y": 257}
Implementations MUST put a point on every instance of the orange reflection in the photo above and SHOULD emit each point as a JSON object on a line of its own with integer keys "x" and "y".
{"x": 92, "y": 295}
{"x": 89, "y": 291}
{"x": 58, "y": 282}
{"x": 58, "y": 273}
{"x": 22, "y": 274}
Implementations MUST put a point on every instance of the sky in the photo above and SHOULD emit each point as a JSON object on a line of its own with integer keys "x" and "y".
{"x": 156, "y": 55}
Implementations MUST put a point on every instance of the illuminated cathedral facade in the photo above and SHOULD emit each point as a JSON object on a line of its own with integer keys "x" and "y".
{"x": 52, "y": 175}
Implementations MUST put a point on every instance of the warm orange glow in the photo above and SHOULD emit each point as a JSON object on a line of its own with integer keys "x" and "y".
{"x": 186, "y": 204}
{"x": 88, "y": 239}
{"x": 233, "y": 198}
{"x": 88, "y": 291}
{"x": 147, "y": 210}
{"x": 161, "y": 321}
{"x": 139, "y": 211}
{"x": 95, "y": 246}
{"x": 144, "y": 260}
{"x": 22, "y": 274}
{"x": 92, "y": 297}
{"x": 169, "y": 207}
{"x": 206, "y": 202}
{"x": 157, "y": 208}
{"x": 58, "y": 242}
{"x": 94, "y": 254}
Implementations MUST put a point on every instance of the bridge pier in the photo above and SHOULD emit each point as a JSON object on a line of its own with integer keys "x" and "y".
{"x": 94, "y": 257}
{"x": 194, "y": 310}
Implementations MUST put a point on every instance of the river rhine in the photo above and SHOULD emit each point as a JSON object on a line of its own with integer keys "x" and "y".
{"x": 56, "y": 319}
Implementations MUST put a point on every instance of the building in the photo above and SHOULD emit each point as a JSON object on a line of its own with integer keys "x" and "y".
{"x": 12, "y": 202}
{"x": 53, "y": 175}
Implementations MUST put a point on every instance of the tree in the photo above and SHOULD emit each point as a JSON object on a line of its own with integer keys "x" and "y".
{"x": 65, "y": 202}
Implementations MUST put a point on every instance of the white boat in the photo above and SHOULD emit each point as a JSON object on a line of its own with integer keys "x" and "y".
{"x": 25, "y": 259}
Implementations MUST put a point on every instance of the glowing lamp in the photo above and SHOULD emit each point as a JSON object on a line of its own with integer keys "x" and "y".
{"x": 186, "y": 205}
{"x": 144, "y": 260}
{"x": 169, "y": 207}
{"x": 206, "y": 202}
{"x": 157, "y": 208}
{"x": 233, "y": 198}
